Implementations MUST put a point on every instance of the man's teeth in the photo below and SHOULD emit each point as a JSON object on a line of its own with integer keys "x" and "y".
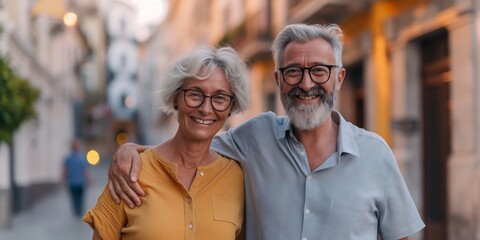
{"x": 308, "y": 97}
{"x": 206, "y": 122}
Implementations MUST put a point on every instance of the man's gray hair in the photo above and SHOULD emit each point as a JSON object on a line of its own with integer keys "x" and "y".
{"x": 200, "y": 64}
{"x": 303, "y": 33}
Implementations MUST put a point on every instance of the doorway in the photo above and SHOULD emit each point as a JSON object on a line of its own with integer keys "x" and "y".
{"x": 436, "y": 77}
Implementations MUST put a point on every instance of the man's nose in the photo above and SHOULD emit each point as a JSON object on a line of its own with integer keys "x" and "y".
{"x": 306, "y": 82}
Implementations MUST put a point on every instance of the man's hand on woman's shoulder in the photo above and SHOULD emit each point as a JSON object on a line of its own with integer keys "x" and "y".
{"x": 123, "y": 174}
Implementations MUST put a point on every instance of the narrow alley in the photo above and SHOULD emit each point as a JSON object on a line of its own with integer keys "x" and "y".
{"x": 51, "y": 218}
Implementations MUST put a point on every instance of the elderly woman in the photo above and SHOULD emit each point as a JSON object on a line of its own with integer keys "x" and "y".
{"x": 192, "y": 191}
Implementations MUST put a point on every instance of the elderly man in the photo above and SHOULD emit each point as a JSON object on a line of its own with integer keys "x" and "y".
{"x": 311, "y": 175}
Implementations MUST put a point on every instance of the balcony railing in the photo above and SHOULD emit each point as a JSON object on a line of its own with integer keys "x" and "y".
{"x": 324, "y": 11}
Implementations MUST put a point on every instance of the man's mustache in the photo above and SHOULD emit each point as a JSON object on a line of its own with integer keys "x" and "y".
{"x": 314, "y": 91}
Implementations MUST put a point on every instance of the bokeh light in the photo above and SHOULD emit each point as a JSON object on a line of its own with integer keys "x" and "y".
{"x": 93, "y": 157}
{"x": 70, "y": 19}
{"x": 122, "y": 138}
{"x": 151, "y": 11}
{"x": 130, "y": 101}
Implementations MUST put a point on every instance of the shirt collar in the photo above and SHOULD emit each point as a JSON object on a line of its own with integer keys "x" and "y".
{"x": 286, "y": 129}
{"x": 345, "y": 140}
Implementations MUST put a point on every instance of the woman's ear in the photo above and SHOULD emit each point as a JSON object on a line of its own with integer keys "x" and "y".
{"x": 231, "y": 108}
{"x": 175, "y": 101}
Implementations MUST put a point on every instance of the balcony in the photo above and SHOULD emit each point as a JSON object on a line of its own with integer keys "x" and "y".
{"x": 253, "y": 38}
{"x": 324, "y": 11}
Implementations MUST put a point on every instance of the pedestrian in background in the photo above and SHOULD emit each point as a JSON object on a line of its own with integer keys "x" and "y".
{"x": 76, "y": 176}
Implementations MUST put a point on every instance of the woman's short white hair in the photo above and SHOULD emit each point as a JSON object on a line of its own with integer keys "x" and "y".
{"x": 200, "y": 64}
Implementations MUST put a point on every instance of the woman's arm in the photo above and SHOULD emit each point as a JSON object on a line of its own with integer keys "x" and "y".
{"x": 96, "y": 236}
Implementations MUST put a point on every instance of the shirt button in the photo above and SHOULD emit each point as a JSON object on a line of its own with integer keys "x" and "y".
{"x": 201, "y": 174}
{"x": 307, "y": 211}
{"x": 190, "y": 226}
{"x": 302, "y": 153}
{"x": 189, "y": 200}
{"x": 309, "y": 177}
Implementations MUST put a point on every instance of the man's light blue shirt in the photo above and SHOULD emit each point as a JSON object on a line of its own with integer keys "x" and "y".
{"x": 357, "y": 193}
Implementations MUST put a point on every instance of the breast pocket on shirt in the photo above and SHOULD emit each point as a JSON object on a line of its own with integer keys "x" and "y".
{"x": 358, "y": 214}
{"x": 227, "y": 210}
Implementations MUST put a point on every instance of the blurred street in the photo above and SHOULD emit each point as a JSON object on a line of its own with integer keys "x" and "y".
{"x": 92, "y": 70}
{"x": 52, "y": 218}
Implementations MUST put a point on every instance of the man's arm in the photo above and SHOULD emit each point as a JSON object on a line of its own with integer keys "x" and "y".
{"x": 123, "y": 174}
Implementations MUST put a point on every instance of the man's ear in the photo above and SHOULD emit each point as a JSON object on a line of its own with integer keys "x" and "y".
{"x": 340, "y": 77}
{"x": 276, "y": 78}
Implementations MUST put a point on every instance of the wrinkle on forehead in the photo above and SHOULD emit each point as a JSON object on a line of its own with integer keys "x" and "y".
{"x": 313, "y": 52}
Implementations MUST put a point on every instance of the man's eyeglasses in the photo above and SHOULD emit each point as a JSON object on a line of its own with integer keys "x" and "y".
{"x": 318, "y": 73}
{"x": 194, "y": 98}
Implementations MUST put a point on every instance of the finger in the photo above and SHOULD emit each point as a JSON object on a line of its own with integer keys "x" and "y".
{"x": 132, "y": 194}
{"x": 137, "y": 188}
{"x": 119, "y": 174}
{"x": 123, "y": 196}
{"x": 134, "y": 172}
{"x": 132, "y": 189}
{"x": 135, "y": 169}
{"x": 111, "y": 188}
{"x": 111, "y": 181}
{"x": 126, "y": 192}
{"x": 128, "y": 202}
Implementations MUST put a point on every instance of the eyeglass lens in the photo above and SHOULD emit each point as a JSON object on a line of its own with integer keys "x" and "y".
{"x": 318, "y": 73}
{"x": 219, "y": 102}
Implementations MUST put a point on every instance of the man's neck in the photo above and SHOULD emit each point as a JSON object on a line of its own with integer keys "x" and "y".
{"x": 319, "y": 142}
{"x": 316, "y": 133}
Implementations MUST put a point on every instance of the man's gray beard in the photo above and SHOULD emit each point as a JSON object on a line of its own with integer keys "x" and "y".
{"x": 308, "y": 116}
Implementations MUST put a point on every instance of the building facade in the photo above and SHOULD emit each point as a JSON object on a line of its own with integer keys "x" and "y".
{"x": 52, "y": 56}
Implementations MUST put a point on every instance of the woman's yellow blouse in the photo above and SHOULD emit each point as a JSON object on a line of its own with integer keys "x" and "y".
{"x": 211, "y": 209}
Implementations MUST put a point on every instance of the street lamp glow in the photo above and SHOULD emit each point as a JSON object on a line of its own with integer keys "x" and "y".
{"x": 122, "y": 138}
{"x": 70, "y": 19}
{"x": 93, "y": 157}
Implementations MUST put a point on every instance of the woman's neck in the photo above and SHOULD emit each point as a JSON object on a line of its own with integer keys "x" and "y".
{"x": 188, "y": 154}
